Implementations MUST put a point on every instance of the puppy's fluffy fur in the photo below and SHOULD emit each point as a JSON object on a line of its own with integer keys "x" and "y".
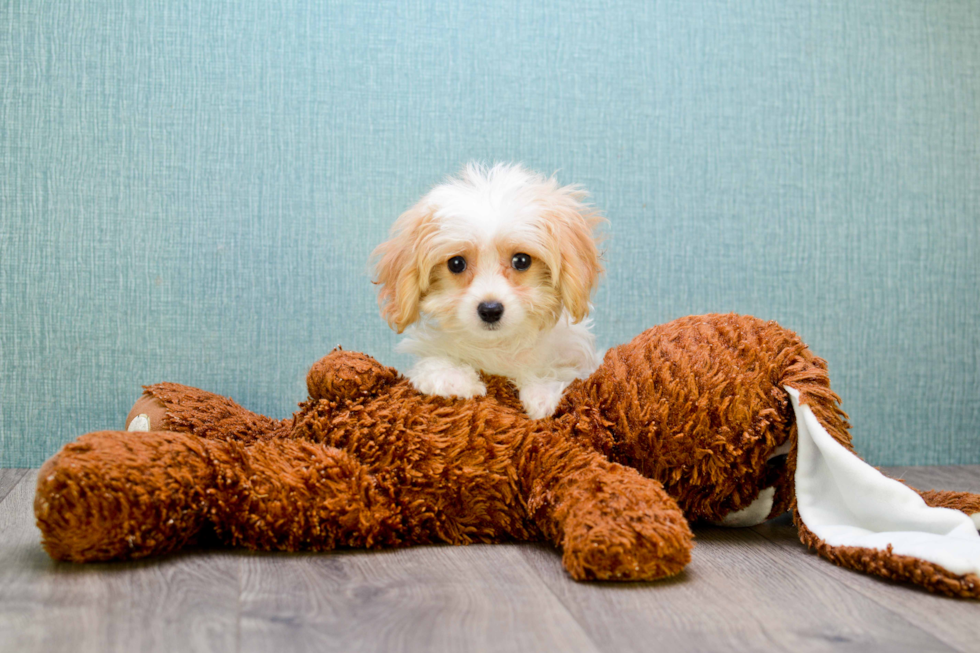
{"x": 491, "y": 239}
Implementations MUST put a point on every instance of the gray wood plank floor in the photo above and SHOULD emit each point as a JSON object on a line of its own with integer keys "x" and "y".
{"x": 746, "y": 590}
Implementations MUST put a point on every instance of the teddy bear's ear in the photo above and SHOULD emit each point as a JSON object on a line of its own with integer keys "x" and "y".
{"x": 398, "y": 270}
{"x": 347, "y": 375}
{"x": 857, "y": 517}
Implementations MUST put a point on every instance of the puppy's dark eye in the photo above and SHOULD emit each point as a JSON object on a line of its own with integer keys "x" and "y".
{"x": 521, "y": 262}
{"x": 457, "y": 264}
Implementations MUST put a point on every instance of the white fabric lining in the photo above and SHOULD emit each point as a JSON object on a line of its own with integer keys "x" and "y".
{"x": 753, "y": 514}
{"x": 846, "y": 502}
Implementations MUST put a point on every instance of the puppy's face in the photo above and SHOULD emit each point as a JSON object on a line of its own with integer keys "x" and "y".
{"x": 490, "y": 289}
{"x": 493, "y": 254}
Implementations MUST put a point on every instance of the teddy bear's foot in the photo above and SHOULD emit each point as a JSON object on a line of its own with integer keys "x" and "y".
{"x": 109, "y": 496}
{"x": 147, "y": 414}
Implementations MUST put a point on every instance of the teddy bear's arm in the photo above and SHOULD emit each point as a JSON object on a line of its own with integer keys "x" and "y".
{"x": 348, "y": 375}
{"x": 611, "y": 522}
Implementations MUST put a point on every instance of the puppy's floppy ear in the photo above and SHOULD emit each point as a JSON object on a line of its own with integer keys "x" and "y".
{"x": 575, "y": 224}
{"x": 398, "y": 267}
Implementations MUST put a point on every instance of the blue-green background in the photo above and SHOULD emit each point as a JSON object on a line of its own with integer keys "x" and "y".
{"x": 189, "y": 191}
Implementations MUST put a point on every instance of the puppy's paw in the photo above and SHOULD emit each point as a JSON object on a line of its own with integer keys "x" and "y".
{"x": 436, "y": 376}
{"x": 541, "y": 398}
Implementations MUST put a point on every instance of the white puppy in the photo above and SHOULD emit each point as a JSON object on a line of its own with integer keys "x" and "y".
{"x": 493, "y": 271}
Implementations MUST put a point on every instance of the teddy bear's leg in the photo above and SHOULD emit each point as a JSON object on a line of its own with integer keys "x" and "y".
{"x": 175, "y": 407}
{"x": 611, "y": 522}
{"x": 109, "y": 495}
{"x": 297, "y": 495}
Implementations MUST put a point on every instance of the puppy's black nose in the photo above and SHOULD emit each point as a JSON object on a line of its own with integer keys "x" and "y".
{"x": 490, "y": 312}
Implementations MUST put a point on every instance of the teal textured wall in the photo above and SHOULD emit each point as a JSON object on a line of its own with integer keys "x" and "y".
{"x": 190, "y": 191}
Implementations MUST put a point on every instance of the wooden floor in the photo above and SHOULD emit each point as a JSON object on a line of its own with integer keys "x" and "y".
{"x": 746, "y": 590}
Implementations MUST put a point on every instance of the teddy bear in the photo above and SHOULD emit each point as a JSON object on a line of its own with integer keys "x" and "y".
{"x": 698, "y": 420}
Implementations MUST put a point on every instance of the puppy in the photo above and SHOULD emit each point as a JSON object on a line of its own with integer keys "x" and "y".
{"x": 492, "y": 271}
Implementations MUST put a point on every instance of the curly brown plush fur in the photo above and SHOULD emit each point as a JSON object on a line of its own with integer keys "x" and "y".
{"x": 678, "y": 425}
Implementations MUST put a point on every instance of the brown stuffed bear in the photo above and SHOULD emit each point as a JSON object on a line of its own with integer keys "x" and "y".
{"x": 690, "y": 421}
